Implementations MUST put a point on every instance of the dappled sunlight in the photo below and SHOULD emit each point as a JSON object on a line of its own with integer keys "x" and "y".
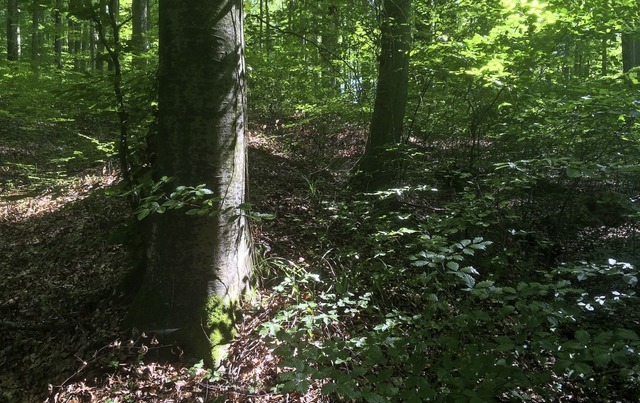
{"x": 18, "y": 207}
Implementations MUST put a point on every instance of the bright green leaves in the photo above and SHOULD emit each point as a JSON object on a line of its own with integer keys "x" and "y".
{"x": 196, "y": 199}
{"x": 450, "y": 258}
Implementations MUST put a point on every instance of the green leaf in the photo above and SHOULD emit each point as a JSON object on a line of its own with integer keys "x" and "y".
{"x": 582, "y": 336}
{"x": 582, "y": 368}
{"x": 573, "y": 172}
{"x": 329, "y": 388}
{"x": 602, "y": 360}
{"x": 468, "y": 279}
{"x": 465, "y": 243}
{"x": 626, "y": 334}
{"x": 603, "y": 338}
{"x": 142, "y": 214}
{"x": 504, "y": 344}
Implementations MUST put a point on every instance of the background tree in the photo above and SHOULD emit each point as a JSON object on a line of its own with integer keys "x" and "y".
{"x": 140, "y": 23}
{"x": 199, "y": 261}
{"x": 391, "y": 95}
{"x": 630, "y": 52}
{"x": 13, "y": 35}
{"x": 59, "y": 32}
{"x": 37, "y": 34}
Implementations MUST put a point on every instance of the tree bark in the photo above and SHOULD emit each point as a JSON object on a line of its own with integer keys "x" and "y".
{"x": 59, "y": 33}
{"x": 92, "y": 48}
{"x": 377, "y": 165}
{"x": 36, "y": 16}
{"x": 329, "y": 48}
{"x": 630, "y": 51}
{"x": 198, "y": 266}
{"x": 13, "y": 38}
{"x": 139, "y": 14}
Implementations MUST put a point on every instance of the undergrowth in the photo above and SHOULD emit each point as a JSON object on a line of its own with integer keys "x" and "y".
{"x": 514, "y": 281}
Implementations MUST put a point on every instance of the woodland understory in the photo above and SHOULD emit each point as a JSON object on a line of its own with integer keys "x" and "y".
{"x": 486, "y": 249}
{"x": 64, "y": 234}
{"x": 62, "y": 240}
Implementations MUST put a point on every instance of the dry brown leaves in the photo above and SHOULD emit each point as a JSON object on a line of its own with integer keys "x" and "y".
{"x": 61, "y": 337}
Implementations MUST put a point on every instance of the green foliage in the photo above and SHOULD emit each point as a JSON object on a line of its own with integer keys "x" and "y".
{"x": 310, "y": 54}
{"x": 435, "y": 326}
{"x": 502, "y": 263}
{"x": 195, "y": 199}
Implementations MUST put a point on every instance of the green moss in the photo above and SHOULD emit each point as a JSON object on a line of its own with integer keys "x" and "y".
{"x": 220, "y": 319}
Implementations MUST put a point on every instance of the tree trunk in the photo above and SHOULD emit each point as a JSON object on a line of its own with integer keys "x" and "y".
{"x": 13, "y": 38}
{"x": 329, "y": 48}
{"x": 59, "y": 33}
{"x": 36, "y": 15}
{"x": 85, "y": 46}
{"x": 139, "y": 24}
{"x": 113, "y": 12}
{"x": 630, "y": 51}
{"x": 199, "y": 265}
{"x": 267, "y": 28}
{"x": 92, "y": 48}
{"x": 378, "y": 166}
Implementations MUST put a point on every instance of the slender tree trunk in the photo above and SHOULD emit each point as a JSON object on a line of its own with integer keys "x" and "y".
{"x": 100, "y": 51}
{"x": 377, "y": 165}
{"x": 139, "y": 14}
{"x": 59, "y": 34}
{"x": 267, "y": 30}
{"x": 92, "y": 48}
{"x": 13, "y": 33}
{"x": 199, "y": 264}
{"x": 329, "y": 47}
{"x": 113, "y": 12}
{"x": 71, "y": 49}
{"x": 84, "y": 46}
{"x": 35, "y": 35}
{"x": 149, "y": 19}
{"x": 261, "y": 25}
{"x": 604, "y": 56}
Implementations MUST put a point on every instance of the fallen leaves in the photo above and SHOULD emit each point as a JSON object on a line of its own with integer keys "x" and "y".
{"x": 61, "y": 337}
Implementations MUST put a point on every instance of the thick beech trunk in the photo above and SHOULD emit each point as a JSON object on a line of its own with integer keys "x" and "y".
{"x": 198, "y": 266}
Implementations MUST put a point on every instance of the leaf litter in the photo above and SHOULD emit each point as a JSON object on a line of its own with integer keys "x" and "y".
{"x": 62, "y": 249}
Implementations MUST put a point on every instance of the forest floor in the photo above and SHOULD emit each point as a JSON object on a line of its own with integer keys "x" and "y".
{"x": 63, "y": 235}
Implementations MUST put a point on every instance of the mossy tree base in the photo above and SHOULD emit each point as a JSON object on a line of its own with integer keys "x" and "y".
{"x": 201, "y": 336}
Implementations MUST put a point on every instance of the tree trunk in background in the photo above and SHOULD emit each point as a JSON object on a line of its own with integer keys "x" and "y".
{"x": 199, "y": 265}
{"x": 70, "y": 34}
{"x": 377, "y": 164}
{"x": 36, "y": 15}
{"x": 92, "y": 48}
{"x": 59, "y": 33}
{"x": 329, "y": 48}
{"x": 604, "y": 57}
{"x": 13, "y": 38}
{"x": 113, "y": 11}
{"x": 267, "y": 28}
{"x": 139, "y": 12}
{"x": 85, "y": 45}
{"x": 630, "y": 51}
